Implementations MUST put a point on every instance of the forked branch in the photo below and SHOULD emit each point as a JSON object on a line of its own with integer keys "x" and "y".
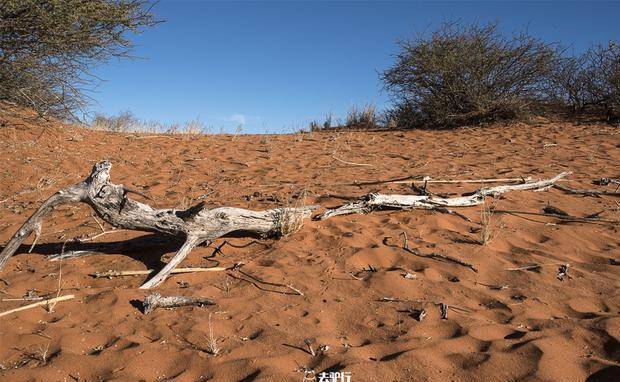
{"x": 196, "y": 224}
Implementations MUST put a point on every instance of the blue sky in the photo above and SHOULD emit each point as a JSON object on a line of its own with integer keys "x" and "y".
{"x": 274, "y": 66}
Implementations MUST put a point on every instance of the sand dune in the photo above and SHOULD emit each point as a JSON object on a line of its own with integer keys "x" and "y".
{"x": 535, "y": 328}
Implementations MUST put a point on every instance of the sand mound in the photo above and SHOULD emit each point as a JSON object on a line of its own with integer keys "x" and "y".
{"x": 537, "y": 328}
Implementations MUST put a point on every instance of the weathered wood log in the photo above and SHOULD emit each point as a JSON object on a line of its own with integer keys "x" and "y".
{"x": 373, "y": 202}
{"x": 197, "y": 224}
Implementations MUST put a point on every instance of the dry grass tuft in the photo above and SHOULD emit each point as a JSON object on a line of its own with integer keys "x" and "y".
{"x": 212, "y": 347}
{"x": 126, "y": 122}
{"x": 489, "y": 227}
{"x": 292, "y": 217}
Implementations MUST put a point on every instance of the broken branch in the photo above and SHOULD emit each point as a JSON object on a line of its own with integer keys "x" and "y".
{"x": 373, "y": 201}
{"x": 197, "y": 224}
{"x": 49, "y": 302}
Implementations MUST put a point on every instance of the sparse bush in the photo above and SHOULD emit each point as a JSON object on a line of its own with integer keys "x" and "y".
{"x": 602, "y": 78}
{"x": 362, "y": 118}
{"x": 465, "y": 75}
{"x": 123, "y": 122}
{"x": 314, "y": 126}
{"x": 589, "y": 82}
{"x": 47, "y": 48}
{"x": 566, "y": 86}
{"x": 327, "y": 124}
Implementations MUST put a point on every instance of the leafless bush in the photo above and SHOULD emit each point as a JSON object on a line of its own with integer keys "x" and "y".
{"x": 466, "y": 74}
{"x": 47, "y": 48}
{"x": 589, "y": 82}
{"x": 602, "y": 78}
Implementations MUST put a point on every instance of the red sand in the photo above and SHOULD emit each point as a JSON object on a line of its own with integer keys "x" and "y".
{"x": 537, "y": 329}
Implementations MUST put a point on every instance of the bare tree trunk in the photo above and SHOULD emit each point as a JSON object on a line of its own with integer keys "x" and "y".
{"x": 197, "y": 224}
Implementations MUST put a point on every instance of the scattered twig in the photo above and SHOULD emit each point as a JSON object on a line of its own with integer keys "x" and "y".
{"x": 493, "y": 180}
{"x": 565, "y": 218}
{"x": 257, "y": 283}
{"x": 48, "y": 302}
{"x": 72, "y": 255}
{"x": 493, "y": 286}
{"x": 155, "y": 300}
{"x": 91, "y": 238}
{"x": 351, "y": 163}
{"x": 112, "y": 273}
{"x": 310, "y": 348}
{"x": 586, "y": 192}
{"x": 436, "y": 256}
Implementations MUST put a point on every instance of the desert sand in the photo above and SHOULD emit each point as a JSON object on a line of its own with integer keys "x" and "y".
{"x": 362, "y": 293}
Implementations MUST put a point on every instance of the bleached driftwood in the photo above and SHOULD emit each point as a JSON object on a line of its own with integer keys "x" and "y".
{"x": 373, "y": 202}
{"x": 197, "y": 224}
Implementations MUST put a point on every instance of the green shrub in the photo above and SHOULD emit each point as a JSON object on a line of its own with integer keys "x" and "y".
{"x": 47, "y": 48}
{"x": 463, "y": 75}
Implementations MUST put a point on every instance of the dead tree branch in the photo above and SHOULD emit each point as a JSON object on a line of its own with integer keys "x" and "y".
{"x": 373, "y": 202}
{"x": 197, "y": 224}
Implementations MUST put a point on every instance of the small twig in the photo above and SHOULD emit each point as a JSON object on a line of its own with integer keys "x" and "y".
{"x": 351, "y": 163}
{"x": 90, "y": 238}
{"x": 493, "y": 180}
{"x": 155, "y": 300}
{"x": 436, "y": 256}
{"x": 256, "y": 281}
{"x": 98, "y": 223}
{"x": 585, "y": 191}
{"x": 72, "y": 255}
{"x": 112, "y": 273}
{"x": 48, "y": 302}
{"x": 310, "y": 348}
{"x": 566, "y": 218}
{"x": 493, "y": 286}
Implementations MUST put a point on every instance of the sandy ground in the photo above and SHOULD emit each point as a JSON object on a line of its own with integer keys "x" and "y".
{"x": 535, "y": 328}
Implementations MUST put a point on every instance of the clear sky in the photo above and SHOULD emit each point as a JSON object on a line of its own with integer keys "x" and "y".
{"x": 274, "y": 66}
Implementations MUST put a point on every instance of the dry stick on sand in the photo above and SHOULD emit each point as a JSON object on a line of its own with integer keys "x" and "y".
{"x": 351, "y": 163}
{"x": 586, "y": 192}
{"x": 155, "y": 300}
{"x": 372, "y": 201}
{"x": 436, "y": 256}
{"x": 257, "y": 283}
{"x": 112, "y": 273}
{"x": 565, "y": 218}
{"x": 49, "y": 302}
{"x": 197, "y": 224}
